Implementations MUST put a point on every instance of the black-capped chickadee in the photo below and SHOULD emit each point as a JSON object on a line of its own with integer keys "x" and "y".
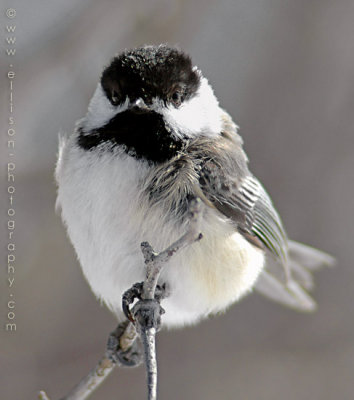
{"x": 153, "y": 137}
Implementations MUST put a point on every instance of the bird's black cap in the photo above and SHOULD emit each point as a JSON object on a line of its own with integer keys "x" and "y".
{"x": 150, "y": 71}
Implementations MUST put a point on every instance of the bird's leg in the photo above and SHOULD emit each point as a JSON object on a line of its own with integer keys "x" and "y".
{"x": 146, "y": 311}
{"x": 123, "y": 346}
{"x": 129, "y": 297}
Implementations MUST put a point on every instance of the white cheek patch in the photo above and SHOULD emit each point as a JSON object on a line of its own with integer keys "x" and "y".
{"x": 100, "y": 110}
{"x": 199, "y": 115}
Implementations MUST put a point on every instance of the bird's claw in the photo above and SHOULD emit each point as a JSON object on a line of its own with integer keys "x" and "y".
{"x": 132, "y": 357}
{"x": 146, "y": 311}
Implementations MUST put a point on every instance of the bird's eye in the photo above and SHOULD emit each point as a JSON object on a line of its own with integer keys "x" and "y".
{"x": 176, "y": 98}
{"x": 115, "y": 98}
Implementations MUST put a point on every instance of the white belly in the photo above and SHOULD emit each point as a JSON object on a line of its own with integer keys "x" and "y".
{"x": 99, "y": 198}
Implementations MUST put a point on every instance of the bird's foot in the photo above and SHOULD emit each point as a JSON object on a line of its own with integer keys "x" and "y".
{"x": 130, "y": 357}
{"x": 147, "y": 312}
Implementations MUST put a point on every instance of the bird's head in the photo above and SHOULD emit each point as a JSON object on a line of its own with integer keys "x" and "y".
{"x": 153, "y": 88}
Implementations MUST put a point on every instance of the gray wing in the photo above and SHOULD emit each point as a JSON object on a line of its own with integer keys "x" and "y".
{"x": 244, "y": 200}
{"x": 241, "y": 197}
{"x": 260, "y": 217}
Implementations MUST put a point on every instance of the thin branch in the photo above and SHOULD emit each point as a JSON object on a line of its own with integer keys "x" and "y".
{"x": 88, "y": 384}
{"x": 100, "y": 372}
{"x": 149, "y": 343}
{"x": 155, "y": 261}
{"x": 154, "y": 264}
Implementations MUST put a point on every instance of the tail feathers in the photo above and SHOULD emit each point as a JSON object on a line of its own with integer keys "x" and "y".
{"x": 291, "y": 294}
{"x": 301, "y": 275}
{"x": 303, "y": 260}
{"x": 309, "y": 257}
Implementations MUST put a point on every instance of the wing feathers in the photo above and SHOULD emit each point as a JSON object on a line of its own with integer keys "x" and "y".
{"x": 228, "y": 185}
{"x": 291, "y": 295}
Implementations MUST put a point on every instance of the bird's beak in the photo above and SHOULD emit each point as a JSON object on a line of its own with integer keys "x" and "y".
{"x": 139, "y": 106}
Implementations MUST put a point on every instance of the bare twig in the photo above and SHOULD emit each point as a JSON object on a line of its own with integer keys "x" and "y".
{"x": 155, "y": 261}
{"x": 100, "y": 372}
{"x": 88, "y": 384}
{"x": 154, "y": 264}
{"x": 148, "y": 340}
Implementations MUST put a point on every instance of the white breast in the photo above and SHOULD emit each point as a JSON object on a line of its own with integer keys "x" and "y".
{"x": 99, "y": 199}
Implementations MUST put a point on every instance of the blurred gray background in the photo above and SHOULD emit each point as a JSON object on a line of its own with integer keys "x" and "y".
{"x": 285, "y": 71}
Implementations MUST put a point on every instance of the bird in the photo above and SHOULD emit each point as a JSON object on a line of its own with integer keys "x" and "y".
{"x": 153, "y": 138}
